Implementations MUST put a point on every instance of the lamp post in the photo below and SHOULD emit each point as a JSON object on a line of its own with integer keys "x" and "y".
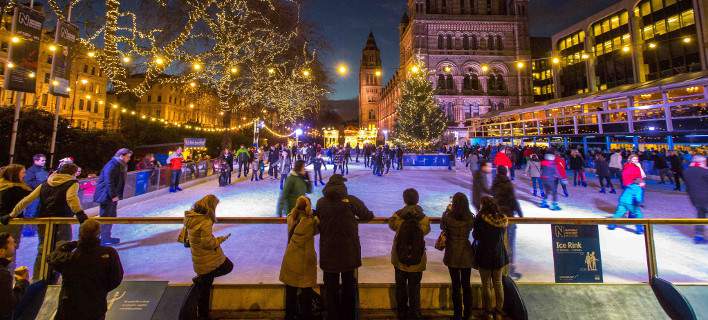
{"x": 298, "y": 133}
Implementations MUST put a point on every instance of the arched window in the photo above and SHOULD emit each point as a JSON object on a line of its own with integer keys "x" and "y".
{"x": 473, "y": 43}
{"x": 465, "y": 42}
{"x": 474, "y": 81}
{"x": 491, "y": 83}
{"x": 467, "y": 83}
{"x": 462, "y": 7}
{"x": 449, "y": 83}
{"x": 440, "y": 41}
{"x": 441, "y": 81}
{"x": 448, "y": 42}
{"x": 490, "y": 42}
{"x": 500, "y": 45}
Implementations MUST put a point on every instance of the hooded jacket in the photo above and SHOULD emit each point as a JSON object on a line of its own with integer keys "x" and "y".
{"x": 205, "y": 248}
{"x": 489, "y": 232}
{"x": 294, "y": 187}
{"x": 458, "y": 249}
{"x": 89, "y": 273}
{"x": 111, "y": 182}
{"x": 503, "y": 191}
{"x": 339, "y": 214}
{"x": 395, "y": 222}
{"x": 55, "y": 183}
{"x": 299, "y": 267}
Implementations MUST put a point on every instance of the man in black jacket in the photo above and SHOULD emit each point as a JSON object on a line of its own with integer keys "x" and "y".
{"x": 109, "y": 189}
{"x": 89, "y": 272}
{"x": 340, "y": 250}
{"x": 10, "y": 295}
{"x": 481, "y": 183}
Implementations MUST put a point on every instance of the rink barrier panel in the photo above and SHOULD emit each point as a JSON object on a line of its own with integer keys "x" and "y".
{"x": 652, "y": 269}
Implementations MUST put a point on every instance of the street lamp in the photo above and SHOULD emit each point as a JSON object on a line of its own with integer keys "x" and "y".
{"x": 298, "y": 133}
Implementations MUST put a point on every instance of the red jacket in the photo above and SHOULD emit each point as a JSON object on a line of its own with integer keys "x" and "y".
{"x": 630, "y": 172}
{"x": 502, "y": 160}
{"x": 175, "y": 162}
{"x": 560, "y": 165}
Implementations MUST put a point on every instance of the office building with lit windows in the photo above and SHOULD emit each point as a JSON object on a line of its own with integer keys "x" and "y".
{"x": 632, "y": 75}
{"x": 541, "y": 69}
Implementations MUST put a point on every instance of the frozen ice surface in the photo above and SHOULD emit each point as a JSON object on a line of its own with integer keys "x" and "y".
{"x": 151, "y": 252}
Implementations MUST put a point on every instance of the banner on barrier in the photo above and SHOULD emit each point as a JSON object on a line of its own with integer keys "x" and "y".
{"x": 576, "y": 253}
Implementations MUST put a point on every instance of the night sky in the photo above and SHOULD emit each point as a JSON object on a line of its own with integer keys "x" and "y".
{"x": 345, "y": 24}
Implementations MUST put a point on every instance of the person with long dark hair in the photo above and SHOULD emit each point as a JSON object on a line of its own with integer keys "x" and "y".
{"x": 12, "y": 190}
{"x": 457, "y": 222}
{"x": 489, "y": 228}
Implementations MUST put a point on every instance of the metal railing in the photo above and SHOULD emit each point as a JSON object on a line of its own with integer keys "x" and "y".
{"x": 652, "y": 269}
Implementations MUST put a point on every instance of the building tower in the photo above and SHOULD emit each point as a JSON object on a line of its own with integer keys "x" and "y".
{"x": 369, "y": 83}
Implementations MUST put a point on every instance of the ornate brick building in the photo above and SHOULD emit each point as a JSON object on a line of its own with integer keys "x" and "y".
{"x": 471, "y": 49}
{"x": 369, "y": 83}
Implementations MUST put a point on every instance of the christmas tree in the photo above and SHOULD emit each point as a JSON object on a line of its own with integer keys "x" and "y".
{"x": 420, "y": 123}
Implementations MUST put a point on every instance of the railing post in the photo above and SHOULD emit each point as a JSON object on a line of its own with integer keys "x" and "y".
{"x": 46, "y": 248}
{"x": 650, "y": 251}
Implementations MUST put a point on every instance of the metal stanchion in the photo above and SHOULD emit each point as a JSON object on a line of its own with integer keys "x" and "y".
{"x": 650, "y": 251}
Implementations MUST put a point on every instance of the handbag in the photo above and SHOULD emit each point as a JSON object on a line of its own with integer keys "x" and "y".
{"x": 442, "y": 241}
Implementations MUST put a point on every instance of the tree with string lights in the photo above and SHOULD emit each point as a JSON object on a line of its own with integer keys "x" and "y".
{"x": 420, "y": 123}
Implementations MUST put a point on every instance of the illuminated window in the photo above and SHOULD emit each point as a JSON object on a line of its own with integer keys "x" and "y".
{"x": 626, "y": 39}
{"x": 656, "y": 5}
{"x": 605, "y": 26}
{"x": 673, "y": 23}
{"x": 615, "y": 22}
{"x": 687, "y": 18}
{"x": 648, "y": 32}
{"x": 624, "y": 18}
{"x": 597, "y": 29}
{"x": 660, "y": 28}
{"x": 598, "y": 50}
{"x": 645, "y": 8}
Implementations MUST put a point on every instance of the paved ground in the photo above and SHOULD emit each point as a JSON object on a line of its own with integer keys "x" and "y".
{"x": 150, "y": 252}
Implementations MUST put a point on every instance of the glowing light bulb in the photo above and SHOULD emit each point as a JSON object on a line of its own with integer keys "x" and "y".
{"x": 91, "y": 54}
{"x": 126, "y": 59}
{"x": 555, "y": 60}
{"x": 159, "y": 61}
{"x": 15, "y": 39}
{"x": 52, "y": 48}
{"x": 652, "y": 45}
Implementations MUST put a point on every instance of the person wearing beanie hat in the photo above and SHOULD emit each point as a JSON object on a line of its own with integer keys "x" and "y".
{"x": 89, "y": 271}
{"x": 696, "y": 180}
{"x": 109, "y": 189}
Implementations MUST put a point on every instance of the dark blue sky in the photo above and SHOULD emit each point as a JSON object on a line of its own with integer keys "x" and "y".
{"x": 345, "y": 24}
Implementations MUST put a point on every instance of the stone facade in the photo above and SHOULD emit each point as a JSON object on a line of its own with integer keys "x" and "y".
{"x": 471, "y": 49}
{"x": 369, "y": 83}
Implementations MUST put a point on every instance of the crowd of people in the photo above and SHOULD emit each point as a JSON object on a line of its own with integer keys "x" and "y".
{"x": 35, "y": 192}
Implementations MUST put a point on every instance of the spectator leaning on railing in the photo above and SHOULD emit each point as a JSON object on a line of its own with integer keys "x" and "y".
{"x": 58, "y": 197}
{"x": 12, "y": 190}
{"x": 89, "y": 271}
{"x": 109, "y": 190}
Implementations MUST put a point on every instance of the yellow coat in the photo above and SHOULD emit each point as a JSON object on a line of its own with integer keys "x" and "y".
{"x": 299, "y": 267}
{"x": 206, "y": 249}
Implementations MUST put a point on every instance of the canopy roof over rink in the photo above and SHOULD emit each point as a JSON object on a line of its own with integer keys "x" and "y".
{"x": 666, "y": 112}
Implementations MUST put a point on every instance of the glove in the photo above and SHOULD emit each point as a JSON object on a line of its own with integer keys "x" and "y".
{"x": 5, "y": 220}
{"x": 81, "y": 216}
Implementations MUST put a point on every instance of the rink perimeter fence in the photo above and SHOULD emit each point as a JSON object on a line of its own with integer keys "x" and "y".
{"x": 649, "y": 224}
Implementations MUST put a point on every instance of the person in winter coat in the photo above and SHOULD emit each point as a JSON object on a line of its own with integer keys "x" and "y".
{"x": 208, "y": 259}
{"x": 630, "y": 201}
{"x": 242, "y": 157}
{"x": 340, "y": 249}
{"x": 229, "y": 159}
{"x": 631, "y": 171}
{"x": 36, "y": 175}
{"x": 473, "y": 162}
{"x": 109, "y": 189}
{"x": 502, "y": 160}
{"x": 533, "y": 170}
{"x": 10, "y": 295}
{"x": 317, "y": 164}
{"x": 408, "y": 276}
{"x": 562, "y": 175}
{"x": 174, "y": 161}
{"x": 285, "y": 166}
{"x": 662, "y": 168}
{"x": 505, "y": 196}
{"x": 89, "y": 272}
{"x": 297, "y": 184}
{"x": 489, "y": 229}
{"x": 481, "y": 183}
{"x": 12, "y": 190}
{"x": 577, "y": 164}
{"x": 299, "y": 268}
{"x": 616, "y": 164}
{"x": 549, "y": 178}
{"x": 457, "y": 222}
{"x": 696, "y": 178}
{"x": 58, "y": 197}
{"x": 676, "y": 169}
{"x": 255, "y": 166}
{"x": 602, "y": 169}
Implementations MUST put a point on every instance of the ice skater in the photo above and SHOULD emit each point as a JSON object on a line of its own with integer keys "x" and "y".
{"x": 549, "y": 178}
{"x": 317, "y": 164}
{"x": 630, "y": 202}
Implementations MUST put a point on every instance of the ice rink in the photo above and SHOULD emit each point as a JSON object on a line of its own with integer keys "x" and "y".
{"x": 151, "y": 252}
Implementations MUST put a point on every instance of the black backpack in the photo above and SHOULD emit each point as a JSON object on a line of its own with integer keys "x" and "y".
{"x": 410, "y": 245}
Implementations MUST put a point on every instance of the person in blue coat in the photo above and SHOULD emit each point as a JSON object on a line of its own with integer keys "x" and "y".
{"x": 109, "y": 189}
{"x": 34, "y": 176}
{"x": 629, "y": 201}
